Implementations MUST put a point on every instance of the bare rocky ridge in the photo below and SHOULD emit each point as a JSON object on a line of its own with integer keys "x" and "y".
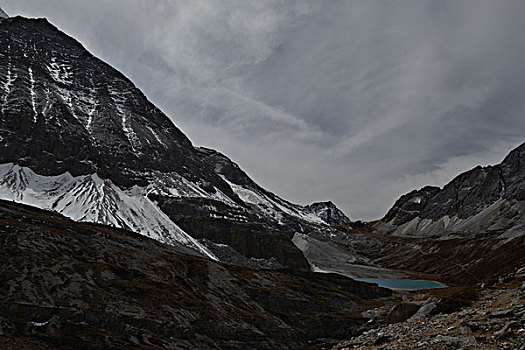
{"x": 409, "y": 205}
{"x": 276, "y": 208}
{"x": 483, "y": 199}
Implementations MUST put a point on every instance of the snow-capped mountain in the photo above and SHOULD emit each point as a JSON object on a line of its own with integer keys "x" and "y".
{"x": 265, "y": 201}
{"x": 328, "y": 212}
{"x": 77, "y": 137}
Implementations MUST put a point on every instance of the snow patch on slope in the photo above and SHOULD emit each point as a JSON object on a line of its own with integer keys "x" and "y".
{"x": 271, "y": 207}
{"x": 156, "y": 136}
{"x": 172, "y": 184}
{"x": 92, "y": 199}
{"x": 61, "y": 73}
{"x": 91, "y": 105}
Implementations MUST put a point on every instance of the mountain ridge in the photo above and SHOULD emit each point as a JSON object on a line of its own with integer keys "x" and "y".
{"x": 471, "y": 230}
{"x": 65, "y": 111}
{"x": 483, "y": 198}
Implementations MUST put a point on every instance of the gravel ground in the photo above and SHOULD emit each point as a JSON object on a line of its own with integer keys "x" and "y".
{"x": 496, "y": 320}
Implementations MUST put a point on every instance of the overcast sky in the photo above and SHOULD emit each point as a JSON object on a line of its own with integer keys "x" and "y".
{"x": 356, "y": 102}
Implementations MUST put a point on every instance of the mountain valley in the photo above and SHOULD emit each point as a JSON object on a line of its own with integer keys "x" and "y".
{"x": 117, "y": 232}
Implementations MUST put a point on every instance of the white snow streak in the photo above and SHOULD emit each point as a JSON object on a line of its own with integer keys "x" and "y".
{"x": 93, "y": 103}
{"x": 59, "y": 72}
{"x": 33, "y": 93}
{"x": 156, "y": 136}
{"x": 8, "y": 84}
{"x": 46, "y": 99}
{"x": 119, "y": 101}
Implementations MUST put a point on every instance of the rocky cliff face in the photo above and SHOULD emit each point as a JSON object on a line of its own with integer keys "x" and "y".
{"x": 65, "y": 110}
{"x": 77, "y": 137}
{"x": 409, "y": 206}
{"x": 483, "y": 199}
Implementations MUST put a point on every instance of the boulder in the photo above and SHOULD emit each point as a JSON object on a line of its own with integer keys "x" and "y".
{"x": 402, "y": 312}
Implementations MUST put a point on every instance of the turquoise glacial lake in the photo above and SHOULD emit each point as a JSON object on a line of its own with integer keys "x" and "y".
{"x": 403, "y": 284}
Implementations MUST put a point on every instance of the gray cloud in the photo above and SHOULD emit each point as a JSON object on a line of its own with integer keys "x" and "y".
{"x": 354, "y": 101}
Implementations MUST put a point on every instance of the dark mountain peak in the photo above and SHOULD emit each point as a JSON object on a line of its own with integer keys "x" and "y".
{"x": 329, "y": 212}
{"x": 467, "y": 195}
{"x": 69, "y": 111}
{"x": 513, "y": 172}
{"x": 410, "y": 205}
{"x": 3, "y": 14}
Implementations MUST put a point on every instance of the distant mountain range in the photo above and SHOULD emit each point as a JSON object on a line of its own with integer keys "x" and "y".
{"x": 471, "y": 230}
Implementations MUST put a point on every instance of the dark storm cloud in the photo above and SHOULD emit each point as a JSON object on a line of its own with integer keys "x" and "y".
{"x": 354, "y": 101}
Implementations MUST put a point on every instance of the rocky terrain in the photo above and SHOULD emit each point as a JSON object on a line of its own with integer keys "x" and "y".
{"x": 80, "y": 285}
{"x": 69, "y": 285}
{"x": 495, "y": 319}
